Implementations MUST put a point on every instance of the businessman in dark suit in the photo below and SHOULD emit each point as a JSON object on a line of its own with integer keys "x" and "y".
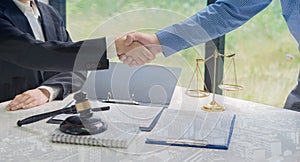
{"x": 35, "y": 46}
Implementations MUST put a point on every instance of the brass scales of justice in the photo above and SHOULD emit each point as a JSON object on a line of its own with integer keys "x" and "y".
{"x": 201, "y": 90}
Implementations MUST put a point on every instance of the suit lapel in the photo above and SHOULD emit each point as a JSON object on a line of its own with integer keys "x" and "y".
{"x": 17, "y": 17}
{"x": 47, "y": 23}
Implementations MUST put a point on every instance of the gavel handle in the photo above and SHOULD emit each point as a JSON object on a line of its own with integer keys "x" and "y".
{"x": 35, "y": 118}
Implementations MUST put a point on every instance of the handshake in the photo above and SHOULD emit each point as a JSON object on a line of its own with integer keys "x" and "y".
{"x": 136, "y": 49}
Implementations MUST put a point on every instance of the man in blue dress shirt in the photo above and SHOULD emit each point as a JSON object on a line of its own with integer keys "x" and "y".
{"x": 216, "y": 20}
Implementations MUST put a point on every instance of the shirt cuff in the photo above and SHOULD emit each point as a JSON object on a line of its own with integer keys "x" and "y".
{"x": 53, "y": 90}
{"x": 111, "y": 47}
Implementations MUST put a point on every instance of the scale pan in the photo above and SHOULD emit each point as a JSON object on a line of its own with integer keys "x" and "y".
{"x": 197, "y": 93}
{"x": 230, "y": 87}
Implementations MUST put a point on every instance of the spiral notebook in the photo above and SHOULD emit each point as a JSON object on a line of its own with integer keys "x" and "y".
{"x": 117, "y": 135}
{"x": 194, "y": 129}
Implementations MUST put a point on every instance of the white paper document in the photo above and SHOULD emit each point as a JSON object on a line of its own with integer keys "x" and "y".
{"x": 135, "y": 114}
{"x": 193, "y": 128}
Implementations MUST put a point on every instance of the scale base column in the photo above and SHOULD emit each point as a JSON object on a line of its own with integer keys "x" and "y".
{"x": 213, "y": 106}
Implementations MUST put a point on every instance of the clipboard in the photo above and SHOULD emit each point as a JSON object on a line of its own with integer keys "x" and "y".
{"x": 146, "y": 85}
{"x": 187, "y": 139}
{"x": 153, "y": 123}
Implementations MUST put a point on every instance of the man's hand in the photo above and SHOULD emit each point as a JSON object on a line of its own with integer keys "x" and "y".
{"x": 133, "y": 54}
{"x": 29, "y": 99}
{"x": 151, "y": 42}
{"x": 147, "y": 40}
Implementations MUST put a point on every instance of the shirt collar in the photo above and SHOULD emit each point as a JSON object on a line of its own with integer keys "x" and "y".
{"x": 25, "y": 7}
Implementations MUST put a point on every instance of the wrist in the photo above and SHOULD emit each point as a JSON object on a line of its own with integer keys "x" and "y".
{"x": 119, "y": 42}
{"x": 159, "y": 48}
{"x": 45, "y": 92}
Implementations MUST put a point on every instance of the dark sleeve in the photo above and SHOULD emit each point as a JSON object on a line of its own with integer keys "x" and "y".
{"x": 69, "y": 82}
{"x": 23, "y": 50}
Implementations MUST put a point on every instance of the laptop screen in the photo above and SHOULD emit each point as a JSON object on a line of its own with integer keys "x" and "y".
{"x": 145, "y": 84}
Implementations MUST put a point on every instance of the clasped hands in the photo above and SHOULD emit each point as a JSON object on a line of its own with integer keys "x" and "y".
{"x": 135, "y": 49}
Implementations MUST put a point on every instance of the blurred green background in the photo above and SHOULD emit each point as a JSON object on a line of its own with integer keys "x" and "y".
{"x": 261, "y": 45}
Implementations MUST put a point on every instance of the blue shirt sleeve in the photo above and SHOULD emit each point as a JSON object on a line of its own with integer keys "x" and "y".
{"x": 291, "y": 14}
{"x": 213, "y": 21}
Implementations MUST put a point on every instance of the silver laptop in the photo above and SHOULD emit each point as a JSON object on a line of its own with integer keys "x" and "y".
{"x": 137, "y": 85}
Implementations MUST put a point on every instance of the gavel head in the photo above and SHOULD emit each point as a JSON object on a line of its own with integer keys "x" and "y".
{"x": 85, "y": 123}
{"x": 80, "y": 96}
{"x": 83, "y": 105}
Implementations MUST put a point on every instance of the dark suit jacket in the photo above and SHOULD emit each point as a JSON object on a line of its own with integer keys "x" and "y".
{"x": 18, "y": 45}
{"x": 27, "y": 63}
